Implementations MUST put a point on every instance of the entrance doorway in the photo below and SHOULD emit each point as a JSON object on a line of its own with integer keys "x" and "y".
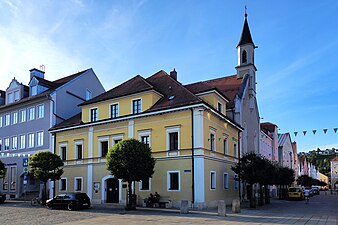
{"x": 112, "y": 190}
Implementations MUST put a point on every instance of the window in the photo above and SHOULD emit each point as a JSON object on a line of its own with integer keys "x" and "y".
{"x": 13, "y": 178}
{"x": 88, "y": 94}
{"x": 145, "y": 139}
{"x": 16, "y": 96}
{"x": 7, "y": 119}
{"x": 236, "y": 181}
{"x": 22, "y": 141}
{"x": 63, "y": 184}
{"x": 14, "y": 143}
{"x": 40, "y": 111}
{"x": 78, "y": 147}
{"x": 225, "y": 145}
{"x": 225, "y": 181}
{"x": 31, "y": 113}
{"x": 219, "y": 107}
{"x": 93, "y": 115}
{"x": 34, "y": 90}
{"x": 0, "y": 144}
{"x": 213, "y": 180}
{"x": 137, "y": 106}
{"x": 114, "y": 111}
{"x": 244, "y": 57}
{"x": 63, "y": 152}
{"x": 212, "y": 141}
{"x": 0, "y": 121}
{"x": 39, "y": 138}
{"x": 173, "y": 138}
{"x": 173, "y": 180}
{"x": 145, "y": 185}
{"x": 78, "y": 184}
{"x": 5, "y": 181}
{"x": 6, "y": 143}
{"x": 22, "y": 115}
{"x": 10, "y": 97}
{"x": 30, "y": 140}
{"x": 15, "y": 118}
{"x": 235, "y": 150}
{"x": 104, "y": 147}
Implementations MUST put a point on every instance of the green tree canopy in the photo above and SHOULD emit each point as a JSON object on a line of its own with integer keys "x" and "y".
{"x": 44, "y": 166}
{"x": 130, "y": 160}
{"x": 2, "y": 170}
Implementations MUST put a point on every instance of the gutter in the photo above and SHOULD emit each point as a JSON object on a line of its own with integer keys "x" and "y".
{"x": 192, "y": 159}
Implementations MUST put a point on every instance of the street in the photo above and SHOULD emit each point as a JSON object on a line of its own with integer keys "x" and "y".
{"x": 322, "y": 209}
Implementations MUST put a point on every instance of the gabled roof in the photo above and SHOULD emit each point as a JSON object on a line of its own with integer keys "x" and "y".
{"x": 53, "y": 86}
{"x": 174, "y": 93}
{"x": 268, "y": 126}
{"x": 246, "y": 35}
{"x": 229, "y": 86}
{"x": 335, "y": 159}
{"x": 282, "y": 138}
{"x": 134, "y": 85}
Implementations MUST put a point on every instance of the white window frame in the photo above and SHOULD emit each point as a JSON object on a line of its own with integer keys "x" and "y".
{"x": 1, "y": 146}
{"x": 34, "y": 90}
{"x": 60, "y": 184}
{"x": 132, "y": 106}
{"x": 29, "y": 144}
{"x": 61, "y": 145}
{"x": 77, "y": 143}
{"x": 75, "y": 184}
{"x": 225, "y": 181}
{"x": 14, "y": 142}
{"x": 118, "y": 110}
{"x": 103, "y": 139}
{"x": 1, "y": 121}
{"x": 116, "y": 137}
{"x": 225, "y": 147}
{"x": 23, "y": 112}
{"x": 22, "y": 144}
{"x": 213, "y": 131}
{"x": 213, "y": 185}
{"x": 31, "y": 116}
{"x": 141, "y": 183}
{"x": 40, "y": 111}
{"x": 15, "y": 117}
{"x": 6, "y": 143}
{"x": 39, "y": 139}
{"x": 90, "y": 114}
{"x": 168, "y": 180}
{"x": 144, "y": 133}
{"x": 7, "y": 119}
{"x": 173, "y": 129}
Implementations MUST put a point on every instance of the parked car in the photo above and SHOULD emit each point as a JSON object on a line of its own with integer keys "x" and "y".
{"x": 70, "y": 201}
{"x": 310, "y": 191}
{"x": 295, "y": 193}
{"x": 315, "y": 190}
{"x": 2, "y": 198}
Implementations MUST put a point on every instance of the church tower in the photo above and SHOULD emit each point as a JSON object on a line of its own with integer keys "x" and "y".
{"x": 246, "y": 56}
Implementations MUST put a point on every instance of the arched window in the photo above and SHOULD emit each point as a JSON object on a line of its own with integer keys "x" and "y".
{"x": 244, "y": 57}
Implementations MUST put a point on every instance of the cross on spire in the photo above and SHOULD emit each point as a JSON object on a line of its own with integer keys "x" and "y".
{"x": 246, "y": 15}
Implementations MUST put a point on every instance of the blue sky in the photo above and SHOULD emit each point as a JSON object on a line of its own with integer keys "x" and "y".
{"x": 296, "y": 56}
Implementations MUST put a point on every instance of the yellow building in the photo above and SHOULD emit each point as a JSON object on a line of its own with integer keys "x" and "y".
{"x": 325, "y": 179}
{"x": 193, "y": 141}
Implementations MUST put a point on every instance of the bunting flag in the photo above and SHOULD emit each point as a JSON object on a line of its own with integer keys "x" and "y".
{"x": 304, "y": 132}
{"x": 335, "y": 130}
{"x": 287, "y": 134}
{"x": 262, "y": 135}
{"x": 325, "y": 130}
{"x": 314, "y": 132}
{"x": 295, "y": 133}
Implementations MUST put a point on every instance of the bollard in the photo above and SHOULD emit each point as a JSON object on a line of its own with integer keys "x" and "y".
{"x": 184, "y": 207}
{"x": 236, "y": 206}
{"x": 221, "y": 208}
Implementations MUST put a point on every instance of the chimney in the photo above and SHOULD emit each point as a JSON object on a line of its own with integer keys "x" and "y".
{"x": 173, "y": 74}
{"x": 37, "y": 73}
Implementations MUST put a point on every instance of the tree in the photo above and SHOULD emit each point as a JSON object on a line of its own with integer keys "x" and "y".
{"x": 285, "y": 177}
{"x": 130, "y": 160}
{"x": 2, "y": 170}
{"x": 44, "y": 166}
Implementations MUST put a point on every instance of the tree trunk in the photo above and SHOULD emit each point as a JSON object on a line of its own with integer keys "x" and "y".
{"x": 44, "y": 194}
{"x": 261, "y": 195}
{"x": 131, "y": 201}
{"x": 252, "y": 197}
{"x": 267, "y": 194}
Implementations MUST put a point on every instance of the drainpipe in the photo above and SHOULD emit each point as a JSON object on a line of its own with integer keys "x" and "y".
{"x": 192, "y": 159}
{"x": 54, "y": 151}
{"x": 239, "y": 163}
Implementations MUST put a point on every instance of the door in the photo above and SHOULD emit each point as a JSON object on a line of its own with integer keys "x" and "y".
{"x": 112, "y": 190}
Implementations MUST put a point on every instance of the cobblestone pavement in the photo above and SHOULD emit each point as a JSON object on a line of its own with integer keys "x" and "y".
{"x": 321, "y": 210}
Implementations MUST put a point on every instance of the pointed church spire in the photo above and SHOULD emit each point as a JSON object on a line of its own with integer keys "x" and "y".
{"x": 246, "y": 35}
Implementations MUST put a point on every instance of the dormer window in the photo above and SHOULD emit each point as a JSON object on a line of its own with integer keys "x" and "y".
{"x": 137, "y": 106}
{"x": 244, "y": 57}
{"x": 34, "y": 90}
